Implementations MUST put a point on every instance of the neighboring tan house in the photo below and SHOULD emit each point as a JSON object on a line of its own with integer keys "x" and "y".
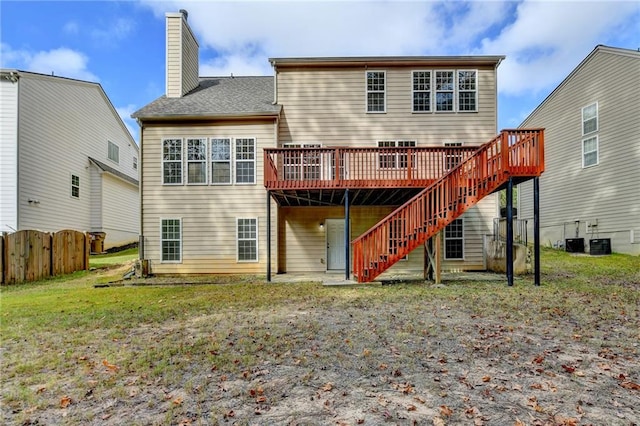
{"x": 287, "y": 173}
{"x": 591, "y": 186}
{"x": 67, "y": 161}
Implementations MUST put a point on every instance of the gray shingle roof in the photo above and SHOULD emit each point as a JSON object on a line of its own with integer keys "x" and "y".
{"x": 217, "y": 96}
{"x": 113, "y": 171}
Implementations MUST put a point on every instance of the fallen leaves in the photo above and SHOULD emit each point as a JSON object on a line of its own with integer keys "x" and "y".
{"x": 65, "y": 401}
{"x": 327, "y": 387}
{"x": 110, "y": 367}
{"x": 445, "y": 411}
{"x": 630, "y": 385}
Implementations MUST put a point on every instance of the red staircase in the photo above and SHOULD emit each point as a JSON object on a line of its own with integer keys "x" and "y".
{"x": 518, "y": 154}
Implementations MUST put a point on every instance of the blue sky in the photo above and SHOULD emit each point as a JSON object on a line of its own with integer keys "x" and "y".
{"x": 121, "y": 45}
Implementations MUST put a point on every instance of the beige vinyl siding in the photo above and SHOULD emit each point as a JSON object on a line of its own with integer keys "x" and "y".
{"x": 303, "y": 241}
{"x": 208, "y": 212}
{"x": 120, "y": 217}
{"x": 328, "y": 105}
{"x": 182, "y": 57}
{"x": 62, "y": 123}
{"x": 8, "y": 156}
{"x": 174, "y": 60}
{"x": 609, "y": 191}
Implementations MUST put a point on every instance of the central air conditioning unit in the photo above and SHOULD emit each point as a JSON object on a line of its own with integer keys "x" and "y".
{"x": 600, "y": 246}
{"x": 574, "y": 245}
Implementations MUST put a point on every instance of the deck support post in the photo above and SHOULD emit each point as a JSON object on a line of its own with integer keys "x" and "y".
{"x": 536, "y": 230}
{"x": 347, "y": 233}
{"x": 438, "y": 269}
{"x": 268, "y": 236}
{"x": 509, "y": 259}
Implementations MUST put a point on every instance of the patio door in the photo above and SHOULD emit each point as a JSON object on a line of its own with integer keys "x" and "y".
{"x": 335, "y": 244}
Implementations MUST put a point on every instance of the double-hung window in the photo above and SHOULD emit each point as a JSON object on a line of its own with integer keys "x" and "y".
{"x": 197, "y": 161}
{"x": 590, "y": 151}
{"x": 451, "y": 157}
{"x": 303, "y": 164}
{"x": 454, "y": 240}
{"x": 172, "y": 161}
{"x": 421, "y": 91}
{"x": 376, "y": 91}
{"x": 391, "y": 159}
{"x": 245, "y": 160}
{"x": 75, "y": 186}
{"x": 590, "y": 119}
{"x": 467, "y": 91}
{"x": 247, "y": 239}
{"x": 113, "y": 152}
{"x": 444, "y": 85}
{"x": 220, "y": 160}
{"x": 171, "y": 240}
{"x": 590, "y": 129}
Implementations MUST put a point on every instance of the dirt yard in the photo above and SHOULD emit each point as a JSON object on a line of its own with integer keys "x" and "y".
{"x": 303, "y": 354}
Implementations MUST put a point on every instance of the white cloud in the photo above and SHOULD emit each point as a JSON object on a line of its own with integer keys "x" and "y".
{"x": 114, "y": 31}
{"x": 125, "y": 114}
{"x": 543, "y": 41}
{"x": 62, "y": 62}
{"x": 71, "y": 28}
{"x": 548, "y": 39}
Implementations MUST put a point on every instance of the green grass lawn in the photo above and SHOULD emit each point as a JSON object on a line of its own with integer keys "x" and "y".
{"x": 111, "y": 259}
{"x": 197, "y": 354}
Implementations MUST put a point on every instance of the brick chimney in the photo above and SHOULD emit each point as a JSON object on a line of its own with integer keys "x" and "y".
{"x": 182, "y": 56}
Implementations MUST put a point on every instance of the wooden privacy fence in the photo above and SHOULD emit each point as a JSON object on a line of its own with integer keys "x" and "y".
{"x": 30, "y": 255}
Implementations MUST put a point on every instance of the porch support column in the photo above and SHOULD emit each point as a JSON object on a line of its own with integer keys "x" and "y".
{"x": 536, "y": 229}
{"x": 510, "y": 232}
{"x": 438, "y": 266}
{"x": 268, "y": 236}
{"x": 347, "y": 239}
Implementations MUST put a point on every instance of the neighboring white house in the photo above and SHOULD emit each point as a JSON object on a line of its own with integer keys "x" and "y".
{"x": 67, "y": 160}
{"x": 375, "y": 131}
{"x": 591, "y": 186}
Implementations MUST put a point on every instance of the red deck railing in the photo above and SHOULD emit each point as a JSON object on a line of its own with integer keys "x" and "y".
{"x": 516, "y": 153}
{"x": 315, "y": 168}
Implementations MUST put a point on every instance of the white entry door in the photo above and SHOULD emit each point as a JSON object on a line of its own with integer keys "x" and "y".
{"x": 335, "y": 244}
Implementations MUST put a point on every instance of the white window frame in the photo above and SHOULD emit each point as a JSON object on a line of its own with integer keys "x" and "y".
{"x": 452, "y": 160}
{"x": 228, "y": 161}
{"x": 113, "y": 152}
{"x": 398, "y": 161}
{"x": 460, "y": 90}
{"x": 596, "y": 118}
{"x": 75, "y": 186}
{"x": 368, "y": 92}
{"x": 202, "y": 142}
{"x": 305, "y": 167}
{"x": 165, "y": 162}
{"x": 597, "y": 151}
{"x": 429, "y": 92}
{"x": 162, "y": 240}
{"x": 461, "y": 239}
{"x": 238, "y": 239}
{"x": 244, "y": 160}
{"x": 135, "y": 163}
{"x": 452, "y": 90}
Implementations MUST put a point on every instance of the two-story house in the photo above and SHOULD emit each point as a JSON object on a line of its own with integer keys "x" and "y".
{"x": 67, "y": 160}
{"x": 590, "y": 193}
{"x": 291, "y": 173}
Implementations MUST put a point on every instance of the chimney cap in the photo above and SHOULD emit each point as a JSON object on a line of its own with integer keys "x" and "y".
{"x": 184, "y": 13}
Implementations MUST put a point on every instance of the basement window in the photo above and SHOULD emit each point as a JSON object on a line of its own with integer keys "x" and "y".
{"x": 171, "y": 240}
{"x": 454, "y": 240}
